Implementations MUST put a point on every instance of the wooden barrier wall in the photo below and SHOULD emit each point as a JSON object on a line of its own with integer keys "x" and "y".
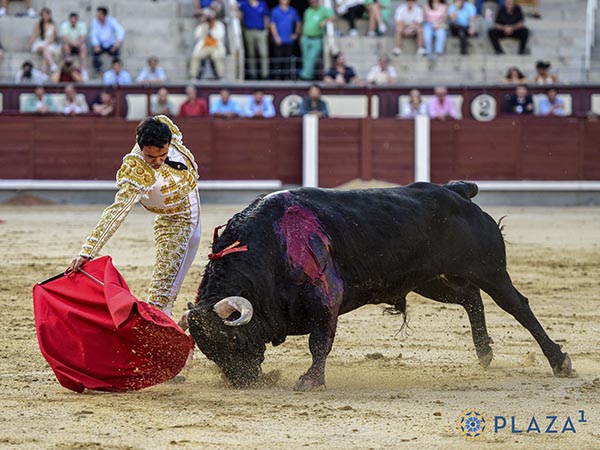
{"x": 61, "y": 148}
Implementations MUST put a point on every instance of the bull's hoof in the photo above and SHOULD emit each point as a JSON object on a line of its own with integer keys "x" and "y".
{"x": 486, "y": 359}
{"x": 307, "y": 384}
{"x": 565, "y": 369}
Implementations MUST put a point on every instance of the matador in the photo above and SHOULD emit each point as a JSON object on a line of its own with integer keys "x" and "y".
{"x": 161, "y": 174}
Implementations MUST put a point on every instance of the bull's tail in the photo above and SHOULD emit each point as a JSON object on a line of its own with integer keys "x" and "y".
{"x": 399, "y": 307}
{"x": 466, "y": 189}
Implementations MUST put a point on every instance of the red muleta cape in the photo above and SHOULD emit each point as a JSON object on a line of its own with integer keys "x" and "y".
{"x": 103, "y": 338}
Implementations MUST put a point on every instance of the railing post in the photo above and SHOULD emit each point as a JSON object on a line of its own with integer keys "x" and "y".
{"x": 422, "y": 148}
{"x": 310, "y": 150}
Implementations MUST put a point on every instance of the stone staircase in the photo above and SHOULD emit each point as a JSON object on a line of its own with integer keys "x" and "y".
{"x": 162, "y": 28}
{"x": 558, "y": 37}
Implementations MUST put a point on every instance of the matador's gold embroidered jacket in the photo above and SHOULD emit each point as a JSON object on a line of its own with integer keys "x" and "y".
{"x": 165, "y": 192}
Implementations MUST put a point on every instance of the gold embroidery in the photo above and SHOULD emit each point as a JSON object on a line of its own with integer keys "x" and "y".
{"x": 174, "y": 129}
{"x": 112, "y": 217}
{"x": 172, "y": 238}
{"x": 137, "y": 172}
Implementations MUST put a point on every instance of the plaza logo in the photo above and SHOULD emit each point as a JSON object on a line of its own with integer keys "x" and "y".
{"x": 473, "y": 424}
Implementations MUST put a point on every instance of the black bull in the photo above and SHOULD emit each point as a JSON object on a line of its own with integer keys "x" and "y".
{"x": 300, "y": 258}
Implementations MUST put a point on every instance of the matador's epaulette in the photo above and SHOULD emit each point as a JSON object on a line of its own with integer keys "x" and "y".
{"x": 137, "y": 172}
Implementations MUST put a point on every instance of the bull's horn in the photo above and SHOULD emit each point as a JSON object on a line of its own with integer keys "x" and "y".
{"x": 225, "y": 307}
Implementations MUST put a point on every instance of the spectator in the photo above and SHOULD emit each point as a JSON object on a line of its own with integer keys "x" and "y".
{"x": 193, "y": 106}
{"x": 152, "y": 74}
{"x": 543, "y": 74}
{"x": 436, "y": 14}
{"x": 208, "y": 7}
{"x": 382, "y": 74}
{"x": 67, "y": 73}
{"x": 117, "y": 75}
{"x": 340, "y": 73}
{"x": 30, "y": 75}
{"x": 29, "y": 11}
{"x": 74, "y": 34}
{"x": 462, "y": 22}
{"x": 210, "y": 43}
{"x": 255, "y": 18}
{"x": 514, "y": 76}
{"x": 520, "y": 102}
{"x": 536, "y": 7}
{"x": 551, "y": 104}
{"x": 441, "y": 106}
{"x": 225, "y": 107}
{"x": 379, "y": 14}
{"x": 509, "y": 24}
{"x": 1, "y": 53}
{"x": 285, "y": 29}
{"x": 39, "y": 102}
{"x": 350, "y": 10}
{"x": 409, "y": 22}
{"x": 415, "y": 106}
{"x": 314, "y": 22}
{"x": 313, "y": 103}
{"x": 161, "y": 103}
{"x": 106, "y": 36}
{"x": 536, "y": 10}
{"x": 72, "y": 103}
{"x": 43, "y": 40}
{"x": 258, "y": 106}
{"x": 104, "y": 104}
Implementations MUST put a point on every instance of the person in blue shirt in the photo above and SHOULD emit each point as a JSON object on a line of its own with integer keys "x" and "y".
{"x": 552, "y": 105}
{"x": 224, "y": 107}
{"x": 117, "y": 75}
{"x": 106, "y": 36}
{"x": 204, "y": 6}
{"x": 313, "y": 103}
{"x": 258, "y": 106}
{"x": 286, "y": 27}
{"x": 461, "y": 17}
{"x": 256, "y": 25}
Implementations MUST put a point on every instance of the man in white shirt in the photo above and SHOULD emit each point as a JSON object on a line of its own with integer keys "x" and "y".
{"x": 409, "y": 21}
{"x": 106, "y": 36}
{"x": 73, "y": 104}
{"x": 382, "y": 74}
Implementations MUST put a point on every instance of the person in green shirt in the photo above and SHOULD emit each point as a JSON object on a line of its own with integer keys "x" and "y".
{"x": 315, "y": 19}
{"x": 39, "y": 102}
{"x": 74, "y": 34}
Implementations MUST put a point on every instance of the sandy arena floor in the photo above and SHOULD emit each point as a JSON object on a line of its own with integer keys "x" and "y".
{"x": 384, "y": 389}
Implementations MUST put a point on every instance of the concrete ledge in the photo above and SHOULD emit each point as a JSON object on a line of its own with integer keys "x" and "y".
{"x": 538, "y": 193}
{"x": 529, "y": 186}
{"x": 103, "y": 185}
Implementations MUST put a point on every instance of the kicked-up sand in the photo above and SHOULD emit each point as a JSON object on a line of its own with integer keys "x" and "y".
{"x": 385, "y": 389}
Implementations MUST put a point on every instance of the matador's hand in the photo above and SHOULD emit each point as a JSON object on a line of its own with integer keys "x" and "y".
{"x": 77, "y": 263}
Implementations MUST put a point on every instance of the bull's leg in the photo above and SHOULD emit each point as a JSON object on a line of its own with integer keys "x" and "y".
{"x": 320, "y": 342}
{"x": 500, "y": 288}
{"x": 470, "y": 298}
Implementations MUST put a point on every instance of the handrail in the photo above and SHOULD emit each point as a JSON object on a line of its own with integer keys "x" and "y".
{"x": 330, "y": 46}
{"x": 590, "y": 32}
{"x": 236, "y": 43}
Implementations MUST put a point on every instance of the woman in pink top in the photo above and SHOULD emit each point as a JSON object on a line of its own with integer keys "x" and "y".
{"x": 436, "y": 13}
